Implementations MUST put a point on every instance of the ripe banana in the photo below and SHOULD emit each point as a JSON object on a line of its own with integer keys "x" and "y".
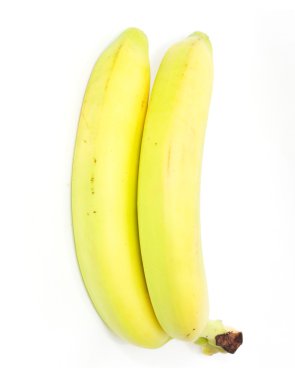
{"x": 104, "y": 190}
{"x": 169, "y": 187}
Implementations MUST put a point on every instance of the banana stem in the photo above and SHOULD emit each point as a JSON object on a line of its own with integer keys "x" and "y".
{"x": 218, "y": 338}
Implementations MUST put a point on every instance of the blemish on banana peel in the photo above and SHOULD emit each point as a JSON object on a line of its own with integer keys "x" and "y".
{"x": 229, "y": 341}
{"x": 92, "y": 185}
{"x": 94, "y": 160}
{"x": 187, "y": 335}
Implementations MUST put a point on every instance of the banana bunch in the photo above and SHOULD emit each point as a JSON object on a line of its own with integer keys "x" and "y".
{"x": 136, "y": 190}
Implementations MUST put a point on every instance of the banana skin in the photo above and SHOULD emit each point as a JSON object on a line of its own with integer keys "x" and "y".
{"x": 104, "y": 190}
{"x": 169, "y": 188}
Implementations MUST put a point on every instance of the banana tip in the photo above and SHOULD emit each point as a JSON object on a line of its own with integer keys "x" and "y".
{"x": 229, "y": 341}
{"x": 136, "y": 34}
{"x": 204, "y": 37}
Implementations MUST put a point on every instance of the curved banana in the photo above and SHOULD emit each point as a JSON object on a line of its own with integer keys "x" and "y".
{"x": 104, "y": 190}
{"x": 169, "y": 187}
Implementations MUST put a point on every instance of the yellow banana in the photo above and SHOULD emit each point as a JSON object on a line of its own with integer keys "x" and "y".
{"x": 169, "y": 187}
{"x": 104, "y": 190}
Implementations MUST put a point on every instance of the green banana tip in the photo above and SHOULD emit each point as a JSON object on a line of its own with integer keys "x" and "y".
{"x": 204, "y": 37}
{"x": 136, "y": 35}
{"x": 218, "y": 338}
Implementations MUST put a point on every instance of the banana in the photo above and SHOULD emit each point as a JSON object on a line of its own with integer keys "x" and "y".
{"x": 169, "y": 188}
{"x": 104, "y": 190}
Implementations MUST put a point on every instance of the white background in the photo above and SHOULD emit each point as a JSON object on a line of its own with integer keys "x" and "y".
{"x": 47, "y": 51}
